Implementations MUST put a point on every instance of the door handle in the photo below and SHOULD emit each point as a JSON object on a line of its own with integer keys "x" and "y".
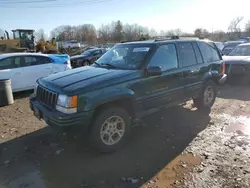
{"x": 190, "y": 72}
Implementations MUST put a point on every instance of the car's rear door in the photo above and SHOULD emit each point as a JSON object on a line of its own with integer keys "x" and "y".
{"x": 35, "y": 67}
{"x": 10, "y": 69}
{"x": 168, "y": 87}
{"x": 191, "y": 62}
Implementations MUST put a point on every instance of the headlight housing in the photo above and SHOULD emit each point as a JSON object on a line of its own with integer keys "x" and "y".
{"x": 67, "y": 104}
{"x": 35, "y": 88}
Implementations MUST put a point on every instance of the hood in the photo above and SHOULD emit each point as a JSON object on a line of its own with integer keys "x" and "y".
{"x": 78, "y": 57}
{"x": 85, "y": 79}
{"x": 236, "y": 59}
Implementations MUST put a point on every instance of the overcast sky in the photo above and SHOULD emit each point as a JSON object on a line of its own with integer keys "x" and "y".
{"x": 158, "y": 14}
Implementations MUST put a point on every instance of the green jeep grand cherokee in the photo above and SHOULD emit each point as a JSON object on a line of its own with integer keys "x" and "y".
{"x": 128, "y": 82}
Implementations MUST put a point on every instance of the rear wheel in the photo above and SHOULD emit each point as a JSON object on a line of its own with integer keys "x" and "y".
{"x": 207, "y": 96}
{"x": 111, "y": 129}
{"x": 85, "y": 63}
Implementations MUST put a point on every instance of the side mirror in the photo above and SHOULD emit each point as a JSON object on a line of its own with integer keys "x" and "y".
{"x": 153, "y": 71}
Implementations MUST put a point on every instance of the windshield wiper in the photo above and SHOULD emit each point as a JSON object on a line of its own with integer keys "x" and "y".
{"x": 97, "y": 64}
{"x": 109, "y": 65}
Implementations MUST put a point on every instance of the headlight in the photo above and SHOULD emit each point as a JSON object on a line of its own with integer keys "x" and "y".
{"x": 67, "y": 104}
{"x": 35, "y": 88}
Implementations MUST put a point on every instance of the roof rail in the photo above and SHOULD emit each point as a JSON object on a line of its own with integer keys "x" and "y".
{"x": 167, "y": 38}
{"x": 141, "y": 39}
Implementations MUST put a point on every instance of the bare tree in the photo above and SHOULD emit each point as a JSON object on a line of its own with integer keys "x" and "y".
{"x": 234, "y": 24}
{"x": 40, "y": 35}
{"x": 82, "y": 33}
{"x": 105, "y": 32}
{"x": 118, "y": 31}
{"x": 128, "y": 32}
{"x": 152, "y": 33}
{"x": 177, "y": 31}
{"x": 234, "y": 28}
{"x": 247, "y": 27}
{"x": 219, "y": 36}
{"x": 200, "y": 32}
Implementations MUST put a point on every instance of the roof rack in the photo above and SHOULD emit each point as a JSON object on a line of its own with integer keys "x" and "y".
{"x": 167, "y": 38}
{"x": 141, "y": 39}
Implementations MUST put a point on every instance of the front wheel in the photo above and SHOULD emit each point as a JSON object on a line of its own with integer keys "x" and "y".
{"x": 111, "y": 129}
{"x": 207, "y": 96}
{"x": 85, "y": 63}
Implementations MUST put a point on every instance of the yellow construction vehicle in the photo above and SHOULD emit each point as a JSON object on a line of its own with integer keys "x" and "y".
{"x": 47, "y": 47}
{"x": 23, "y": 40}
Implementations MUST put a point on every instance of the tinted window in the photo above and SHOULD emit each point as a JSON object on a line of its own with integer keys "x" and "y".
{"x": 209, "y": 53}
{"x": 43, "y": 60}
{"x": 29, "y": 61}
{"x": 187, "y": 56}
{"x": 10, "y": 63}
{"x": 241, "y": 51}
{"x": 165, "y": 57}
{"x": 97, "y": 52}
{"x": 124, "y": 56}
{"x": 35, "y": 60}
{"x": 197, "y": 53}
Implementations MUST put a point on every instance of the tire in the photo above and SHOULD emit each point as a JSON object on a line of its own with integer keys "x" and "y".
{"x": 207, "y": 97}
{"x": 85, "y": 63}
{"x": 102, "y": 142}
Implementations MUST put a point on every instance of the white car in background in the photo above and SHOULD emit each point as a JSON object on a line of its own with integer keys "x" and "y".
{"x": 70, "y": 44}
{"x": 25, "y": 68}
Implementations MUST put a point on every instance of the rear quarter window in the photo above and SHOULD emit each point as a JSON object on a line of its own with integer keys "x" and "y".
{"x": 186, "y": 54}
{"x": 209, "y": 53}
{"x": 197, "y": 53}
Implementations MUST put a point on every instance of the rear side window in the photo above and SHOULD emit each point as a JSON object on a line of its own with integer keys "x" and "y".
{"x": 10, "y": 63}
{"x": 208, "y": 52}
{"x": 36, "y": 60}
{"x": 30, "y": 61}
{"x": 165, "y": 57}
{"x": 186, "y": 54}
{"x": 43, "y": 60}
{"x": 197, "y": 53}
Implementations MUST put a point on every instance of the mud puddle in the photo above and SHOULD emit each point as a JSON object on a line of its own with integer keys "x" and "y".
{"x": 240, "y": 127}
{"x": 239, "y": 124}
{"x": 224, "y": 150}
{"x": 175, "y": 173}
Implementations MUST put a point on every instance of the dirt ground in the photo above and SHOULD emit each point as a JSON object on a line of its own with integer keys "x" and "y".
{"x": 178, "y": 147}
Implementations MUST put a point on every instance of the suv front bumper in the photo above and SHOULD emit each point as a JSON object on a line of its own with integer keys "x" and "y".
{"x": 58, "y": 119}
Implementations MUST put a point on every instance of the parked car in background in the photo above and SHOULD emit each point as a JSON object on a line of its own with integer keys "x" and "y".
{"x": 70, "y": 44}
{"x": 130, "y": 81}
{"x": 88, "y": 57}
{"x": 230, "y": 45}
{"x": 25, "y": 68}
{"x": 238, "y": 61}
{"x": 246, "y": 39}
{"x": 219, "y": 45}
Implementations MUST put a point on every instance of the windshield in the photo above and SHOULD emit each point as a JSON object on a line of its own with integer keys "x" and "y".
{"x": 88, "y": 52}
{"x": 124, "y": 57}
{"x": 228, "y": 48}
{"x": 240, "y": 51}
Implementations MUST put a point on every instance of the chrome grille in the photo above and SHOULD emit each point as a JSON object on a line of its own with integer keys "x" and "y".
{"x": 46, "y": 97}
